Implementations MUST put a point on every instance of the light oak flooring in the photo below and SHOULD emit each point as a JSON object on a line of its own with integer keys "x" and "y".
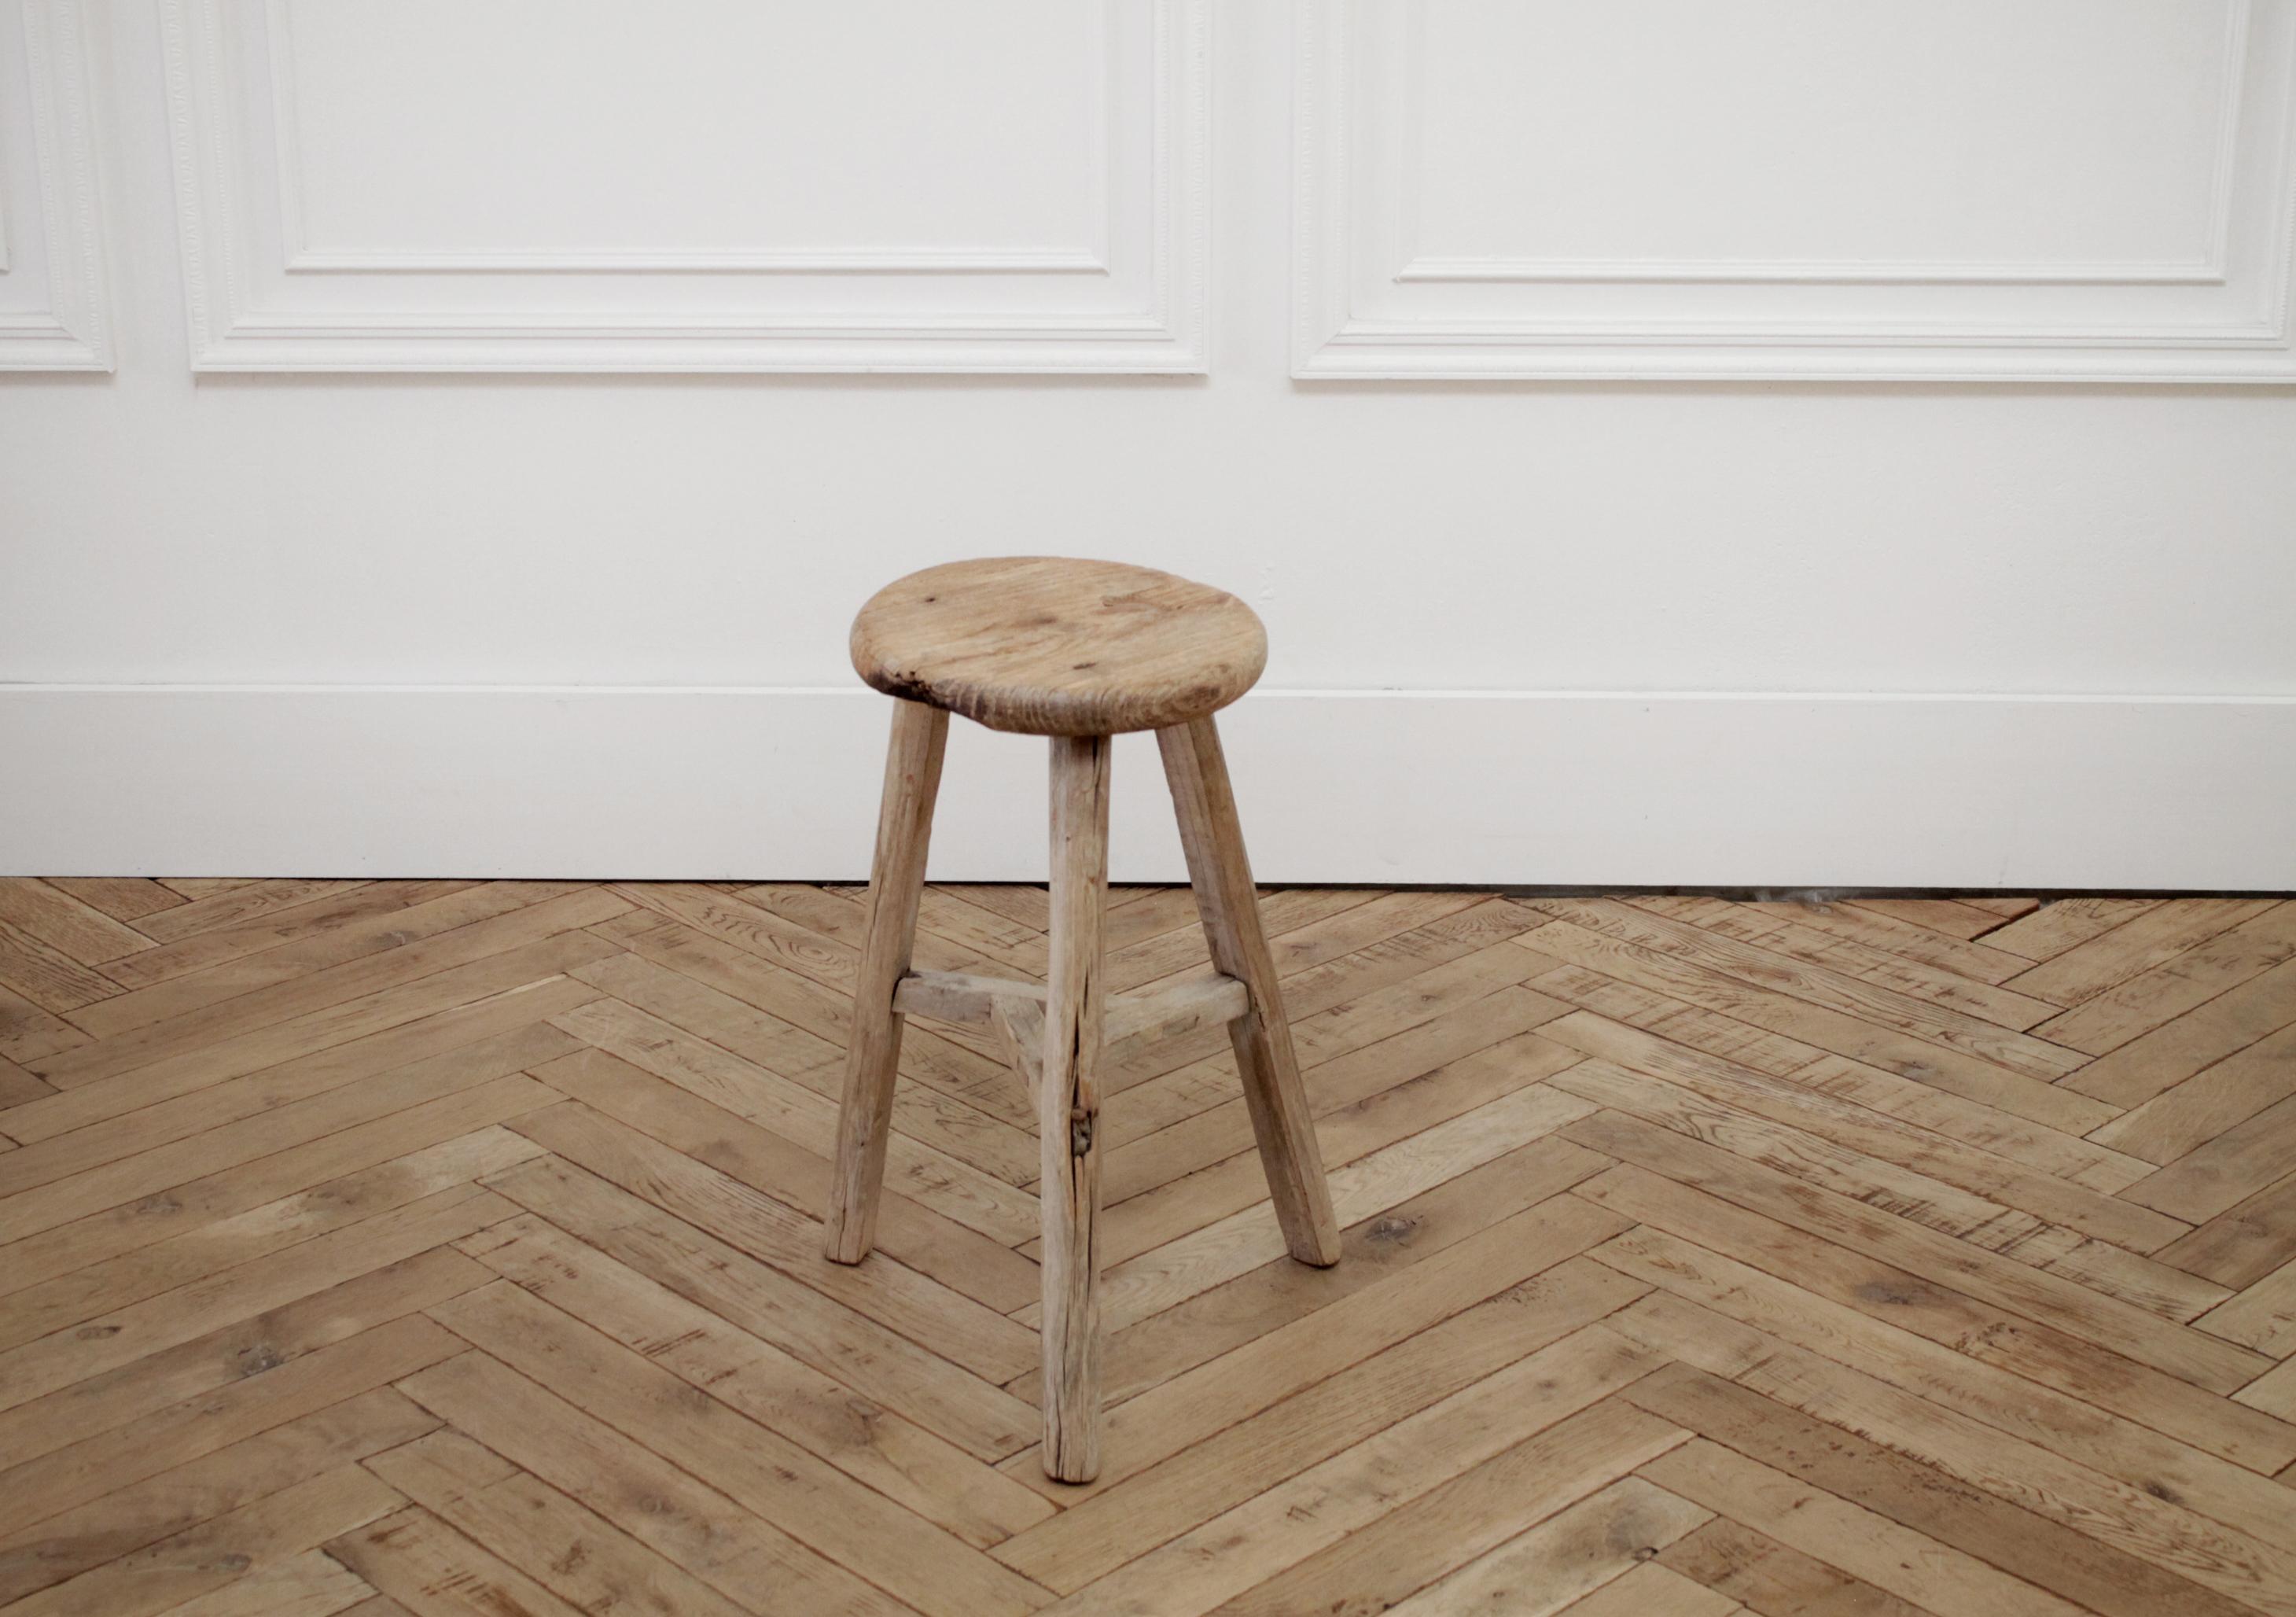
{"x": 452, "y": 1247}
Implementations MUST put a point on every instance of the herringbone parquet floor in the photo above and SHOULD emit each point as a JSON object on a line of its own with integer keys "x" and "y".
{"x": 451, "y": 1247}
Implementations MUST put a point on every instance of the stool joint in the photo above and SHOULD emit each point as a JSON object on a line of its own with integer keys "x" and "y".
{"x": 1134, "y": 1020}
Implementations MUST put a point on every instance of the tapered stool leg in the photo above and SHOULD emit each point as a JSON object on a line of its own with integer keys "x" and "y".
{"x": 1209, "y": 832}
{"x": 1068, "y": 1118}
{"x": 897, "y": 879}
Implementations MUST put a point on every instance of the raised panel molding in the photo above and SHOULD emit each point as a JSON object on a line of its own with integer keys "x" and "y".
{"x": 64, "y": 322}
{"x": 1127, "y": 294}
{"x": 1370, "y": 301}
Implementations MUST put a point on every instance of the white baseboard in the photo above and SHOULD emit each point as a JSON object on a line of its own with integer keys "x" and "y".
{"x": 1538, "y": 788}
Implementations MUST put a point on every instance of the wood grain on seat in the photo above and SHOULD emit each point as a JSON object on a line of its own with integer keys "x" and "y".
{"x": 1048, "y": 645}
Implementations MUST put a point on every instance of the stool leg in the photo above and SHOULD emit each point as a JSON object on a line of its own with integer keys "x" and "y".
{"x": 1197, "y": 772}
{"x": 1068, "y": 1116}
{"x": 872, "y": 1050}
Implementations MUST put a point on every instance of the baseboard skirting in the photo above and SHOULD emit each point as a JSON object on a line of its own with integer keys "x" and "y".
{"x": 1533, "y": 788}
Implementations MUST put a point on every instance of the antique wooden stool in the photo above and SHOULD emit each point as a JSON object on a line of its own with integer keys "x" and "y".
{"x": 1077, "y": 651}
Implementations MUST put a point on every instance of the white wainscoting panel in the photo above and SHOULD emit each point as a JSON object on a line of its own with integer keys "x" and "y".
{"x": 55, "y": 309}
{"x": 689, "y": 186}
{"x": 1525, "y": 788}
{"x": 1960, "y": 189}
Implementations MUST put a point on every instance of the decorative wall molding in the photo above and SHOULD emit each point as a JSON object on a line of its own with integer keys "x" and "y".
{"x": 302, "y": 257}
{"x": 1498, "y": 787}
{"x": 66, "y": 324}
{"x": 1050, "y": 260}
{"x": 261, "y": 295}
{"x": 1370, "y": 302}
{"x": 1817, "y": 272}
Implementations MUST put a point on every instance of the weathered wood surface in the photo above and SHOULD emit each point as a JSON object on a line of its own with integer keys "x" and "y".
{"x": 1048, "y": 645}
{"x": 449, "y": 1246}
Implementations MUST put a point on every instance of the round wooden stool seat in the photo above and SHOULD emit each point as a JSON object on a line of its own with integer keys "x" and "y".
{"x": 1046, "y": 646}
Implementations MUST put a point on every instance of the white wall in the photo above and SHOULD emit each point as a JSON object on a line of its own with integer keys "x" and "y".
{"x": 1987, "y": 631}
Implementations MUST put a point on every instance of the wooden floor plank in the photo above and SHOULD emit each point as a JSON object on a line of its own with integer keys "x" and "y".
{"x": 391, "y": 1248}
{"x": 898, "y": 1459}
{"x": 122, "y": 897}
{"x": 2181, "y": 1121}
{"x": 242, "y": 1354}
{"x": 57, "y": 1359}
{"x": 680, "y": 1516}
{"x": 2062, "y": 923}
{"x": 1951, "y": 917}
{"x": 1879, "y": 1136}
{"x": 1873, "y": 1546}
{"x": 561, "y": 1544}
{"x": 206, "y": 948}
{"x": 455, "y": 967}
{"x": 54, "y": 914}
{"x": 232, "y": 905}
{"x": 1334, "y": 983}
{"x": 1786, "y": 935}
{"x": 217, "y": 1150}
{"x": 1229, "y": 1352}
{"x": 2009, "y": 907}
{"x": 819, "y": 1505}
{"x": 223, "y": 1551}
{"x": 1119, "y": 1522}
{"x": 806, "y": 1003}
{"x": 2159, "y": 1547}
{"x": 87, "y": 1509}
{"x": 255, "y": 1233}
{"x": 18, "y": 1088}
{"x": 1308, "y": 1513}
{"x": 1364, "y": 1189}
{"x": 1839, "y": 1033}
{"x": 2155, "y": 1063}
{"x": 1769, "y": 1437}
{"x": 2066, "y": 1155}
{"x": 2037, "y": 1332}
{"x": 389, "y": 931}
{"x": 313, "y": 1584}
{"x": 2105, "y": 1441}
{"x": 697, "y": 1039}
{"x": 52, "y": 1153}
{"x": 200, "y": 887}
{"x": 1978, "y": 961}
{"x": 1645, "y": 1586}
{"x": 2138, "y": 1004}
{"x": 48, "y": 976}
{"x": 2245, "y": 1241}
{"x": 2230, "y": 1167}
{"x": 1818, "y": 985}
{"x": 185, "y": 1207}
{"x": 2036, "y": 1294}
{"x": 1774, "y": 1578}
{"x": 1816, "y": 1158}
{"x": 1412, "y": 1548}
{"x": 1574, "y": 1552}
{"x": 2158, "y": 934}
{"x": 435, "y": 1571}
{"x": 973, "y": 1413}
{"x": 971, "y": 1335}
{"x": 30, "y": 1037}
{"x": 939, "y": 1218}
{"x": 1193, "y": 1197}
